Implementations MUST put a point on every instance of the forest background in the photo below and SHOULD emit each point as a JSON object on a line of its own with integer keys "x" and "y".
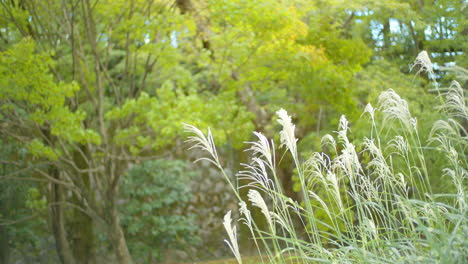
{"x": 94, "y": 94}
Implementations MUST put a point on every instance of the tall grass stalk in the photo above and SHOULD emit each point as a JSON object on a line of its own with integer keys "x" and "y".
{"x": 375, "y": 211}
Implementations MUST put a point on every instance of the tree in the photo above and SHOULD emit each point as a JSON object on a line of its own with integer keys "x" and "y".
{"x": 113, "y": 103}
{"x": 399, "y": 30}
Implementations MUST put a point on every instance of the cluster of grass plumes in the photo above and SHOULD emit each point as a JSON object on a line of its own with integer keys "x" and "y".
{"x": 377, "y": 212}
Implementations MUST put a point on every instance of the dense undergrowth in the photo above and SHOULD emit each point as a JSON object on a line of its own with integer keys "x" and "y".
{"x": 369, "y": 202}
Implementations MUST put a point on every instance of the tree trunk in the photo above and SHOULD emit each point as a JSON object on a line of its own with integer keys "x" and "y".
{"x": 4, "y": 233}
{"x": 81, "y": 225}
{"x": 118, "y": 238}
{"x": 58, "y": 225}
{"x": 4, "y": 247}
{"x": 386, "y": 35}
{"x": 82, "y": 237}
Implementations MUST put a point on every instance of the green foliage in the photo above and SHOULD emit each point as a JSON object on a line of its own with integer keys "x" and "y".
{"x": 22, "y": 207}
{"x": 162, "y": 124}
{"x": 32, "y": 99}
{"x": 91, "y": 87}
{"x": 35, "y": 200}
{"x": 369, "y": 202}
{"x": 296, "y": 61}
{"x": 154, "y": 217}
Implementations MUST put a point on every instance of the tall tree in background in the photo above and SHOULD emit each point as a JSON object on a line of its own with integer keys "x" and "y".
{"x": 102, "y": 99}
{"x": 399, "y": 30}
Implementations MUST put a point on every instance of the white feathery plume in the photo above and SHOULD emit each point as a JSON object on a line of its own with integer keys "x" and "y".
{"x": 445, "y": 144}
{"x": 378, "y": 162}
{"x": 344, "y": 124}
{"x": 369, "y": 109}
{"x": 201, "y": 142}
{"x": 402, "y": 181}
{"x": 232, "y": 234}
{"x": 333, "y": 180}
{"x": 328, "y": 140}
{"x": 287, "y": 136}
{"x": 257, "y": 174}
{"x": 400, "y": 144}
{"x": 246, "y": 213}
{"x": 257, "y": 200}
{"x": 455, "y": 101}
{"x": 348, "y": 157}
{"x": 324, "y": 205}
{"x": 262, "y": 147}
{"x": 396, "y": 108}
{"x": 449, "y": 127}
{"x": 343, "y": 130}
{"x": 278, "y": 219}
{"x": 425, "y": 64}
{"x": 315, "y": 164}
{"x": 458, "y": 178}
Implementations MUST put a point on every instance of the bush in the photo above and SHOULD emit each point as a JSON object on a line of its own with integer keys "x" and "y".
{"x": 156, "y": 193}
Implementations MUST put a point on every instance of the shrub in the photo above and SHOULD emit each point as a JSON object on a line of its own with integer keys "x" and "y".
{"x": 156, "y": 193}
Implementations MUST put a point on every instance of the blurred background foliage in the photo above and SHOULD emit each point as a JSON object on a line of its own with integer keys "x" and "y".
{"x": 155, "y": 217}
{"x": 94, "y": 95}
